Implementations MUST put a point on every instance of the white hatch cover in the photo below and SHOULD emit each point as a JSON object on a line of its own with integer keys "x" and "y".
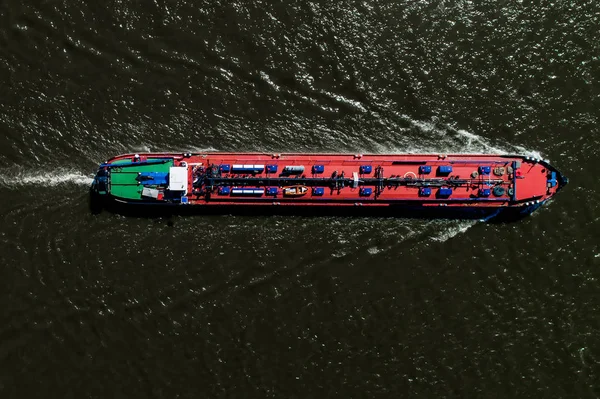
{"x": 150, "y": 192}
{"x": 178, "y": 178}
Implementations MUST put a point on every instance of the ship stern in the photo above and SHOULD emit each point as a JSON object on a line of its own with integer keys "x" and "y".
{"x": 99, "y": 191}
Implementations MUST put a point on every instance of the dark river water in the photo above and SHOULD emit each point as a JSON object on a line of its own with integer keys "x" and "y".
{"x": 296, "y": 307}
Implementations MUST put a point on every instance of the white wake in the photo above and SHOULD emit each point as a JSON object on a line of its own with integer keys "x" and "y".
{"x": 13, "y": 178}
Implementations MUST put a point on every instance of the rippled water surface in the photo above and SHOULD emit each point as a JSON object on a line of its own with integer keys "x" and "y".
{"x": 296, "y": 307}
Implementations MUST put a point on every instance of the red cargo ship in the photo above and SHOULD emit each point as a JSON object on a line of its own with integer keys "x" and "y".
{"x": 460, "y": 185}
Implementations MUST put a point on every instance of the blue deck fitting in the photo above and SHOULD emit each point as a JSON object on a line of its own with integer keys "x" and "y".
{"x": 424, "y": 169}
{"x": 366, "y": 191}
{"x": 444, "y": 169}
{"x": 225, "y": 168}
{"x": 365, "y": 169}
{"x": 485, "y": 170}
{"x": 318, "y": 168}
{"x": 318, "y": 191}
{"x": 425, "y": 192}
{"x": 552, "y": 181}
{"x": 271, "y": 168}
{"x": 152, "y": 178}
{"x": 444, "y": 192}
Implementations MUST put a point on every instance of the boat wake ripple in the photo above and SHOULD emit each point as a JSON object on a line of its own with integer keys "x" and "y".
{"x": 17, "y": 178}
{"x": 452, "y": 229}
{"x": 432, "y": 137}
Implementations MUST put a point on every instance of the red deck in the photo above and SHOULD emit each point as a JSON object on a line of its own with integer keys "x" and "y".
{"x": 366, "y": 180}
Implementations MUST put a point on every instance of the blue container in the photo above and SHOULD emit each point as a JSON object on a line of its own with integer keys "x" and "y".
{"x": 444, "y": 192}
{"x": 366, "y": 191}
{"x": 271, "y": 168}
{"x": 424, "y": 169}
{"x": 366, "y": 169}
{"x": 272, "y": 191}
{"x": 318, "y": 168}
{"x": 152, "y": 178}
{"x": 224, "y": 190}
{"x": 425, "y": 192}
{"x": 318, "y": 191}
{"x": 184, "y": 200}
{"x": 485, "y": 170}
{"x": 225, "y": 168}
{"x": 444, "y": 169}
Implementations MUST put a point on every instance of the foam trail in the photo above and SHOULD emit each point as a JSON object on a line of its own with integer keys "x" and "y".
{"x": 140, "y": 148}
{"x": 471, "y": 140}
{"x": 58, "y": 177}
{"x": 446, "y": 139}
{"x": 200, "y": 149}
{"x": 452, "y": 231}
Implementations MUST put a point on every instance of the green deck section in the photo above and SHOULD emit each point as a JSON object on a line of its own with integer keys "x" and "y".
{"x": 123, "y": 183}
{"x": 123, "y": 178}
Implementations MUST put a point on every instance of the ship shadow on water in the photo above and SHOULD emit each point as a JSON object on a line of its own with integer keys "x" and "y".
{"x": 99, "y": 205}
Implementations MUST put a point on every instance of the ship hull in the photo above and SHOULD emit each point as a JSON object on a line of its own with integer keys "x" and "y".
{"x": 488, "y": 187}
{"x": 142, "y": 209}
